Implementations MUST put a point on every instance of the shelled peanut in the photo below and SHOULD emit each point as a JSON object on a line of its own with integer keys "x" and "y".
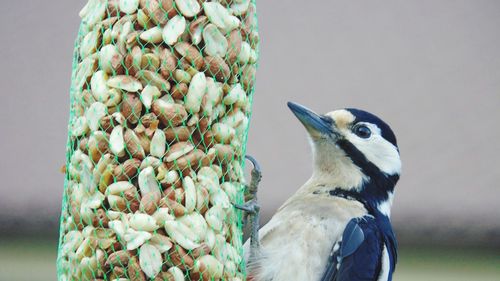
{"x": 161, "y": 97}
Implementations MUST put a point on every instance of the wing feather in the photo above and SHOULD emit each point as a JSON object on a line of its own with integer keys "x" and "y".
{"x": 358, "y": 257}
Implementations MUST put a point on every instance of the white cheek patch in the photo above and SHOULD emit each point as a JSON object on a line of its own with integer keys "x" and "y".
{"x": 377, "y": 150}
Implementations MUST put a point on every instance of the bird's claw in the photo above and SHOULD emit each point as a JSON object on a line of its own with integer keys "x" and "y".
{"x": 256, "y": 176}
{"x": 251, "y": 207}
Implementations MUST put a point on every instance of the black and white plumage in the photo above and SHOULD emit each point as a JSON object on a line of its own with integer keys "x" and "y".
{"x": 336, "y": 227}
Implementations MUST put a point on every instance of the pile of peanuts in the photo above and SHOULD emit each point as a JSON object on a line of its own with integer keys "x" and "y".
{"x": 160, "y": 105}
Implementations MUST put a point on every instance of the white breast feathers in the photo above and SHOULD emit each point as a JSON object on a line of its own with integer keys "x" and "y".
{"x": 296, "y": 242}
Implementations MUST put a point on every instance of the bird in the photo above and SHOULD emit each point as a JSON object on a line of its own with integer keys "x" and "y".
{"x": 337, "y": 226}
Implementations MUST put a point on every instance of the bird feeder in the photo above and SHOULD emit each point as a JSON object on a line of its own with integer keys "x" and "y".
{"x": 161, "y": 97}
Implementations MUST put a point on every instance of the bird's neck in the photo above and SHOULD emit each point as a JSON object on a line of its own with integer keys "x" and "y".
{"x": 333, "y": 168}
{"x": 377, "y": 208}
{"x": 376, "y": 192}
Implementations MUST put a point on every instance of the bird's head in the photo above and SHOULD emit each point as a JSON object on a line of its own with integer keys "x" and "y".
{"x": 353, "y": 150}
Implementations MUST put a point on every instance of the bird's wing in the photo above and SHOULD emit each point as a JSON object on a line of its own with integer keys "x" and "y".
{"x": 358, "y": 255}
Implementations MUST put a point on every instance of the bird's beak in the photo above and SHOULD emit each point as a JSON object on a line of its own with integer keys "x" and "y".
{"x": 315, "y": 124}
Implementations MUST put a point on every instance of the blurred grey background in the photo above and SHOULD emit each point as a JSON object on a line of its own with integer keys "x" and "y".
{"x": 429, "y": 68}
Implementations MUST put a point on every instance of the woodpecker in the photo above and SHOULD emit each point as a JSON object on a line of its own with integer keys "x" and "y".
{"x": 337, "y": 226}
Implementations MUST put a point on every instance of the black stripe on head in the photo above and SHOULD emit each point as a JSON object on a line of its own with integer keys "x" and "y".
{"x": 358, "y": 158}
{"x": 363, "y": 116}
{"x": 379, "y": 183}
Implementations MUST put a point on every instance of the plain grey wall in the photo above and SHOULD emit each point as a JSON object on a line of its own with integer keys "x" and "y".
{"x": 429, "y": 68}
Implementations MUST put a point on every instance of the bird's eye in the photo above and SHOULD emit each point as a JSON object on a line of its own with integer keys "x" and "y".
{"x": 362, "y": 131}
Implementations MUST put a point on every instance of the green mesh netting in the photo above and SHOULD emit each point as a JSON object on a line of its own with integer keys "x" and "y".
{"x": 161, "y": 98}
